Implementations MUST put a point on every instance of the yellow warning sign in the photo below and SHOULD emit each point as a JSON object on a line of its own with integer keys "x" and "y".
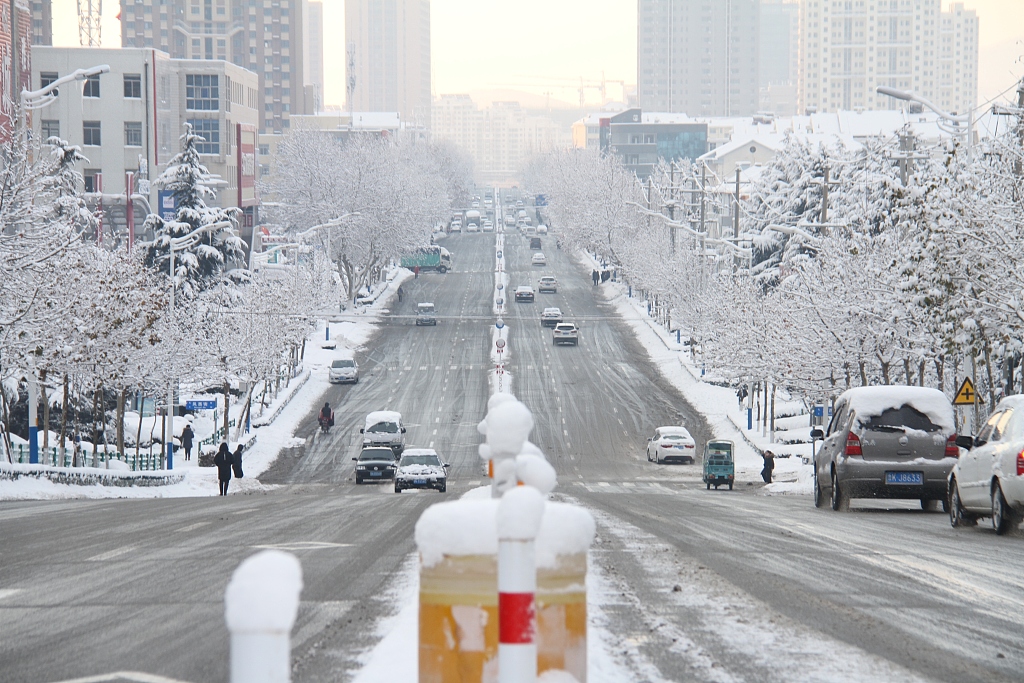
{"x": 966, "y": 395}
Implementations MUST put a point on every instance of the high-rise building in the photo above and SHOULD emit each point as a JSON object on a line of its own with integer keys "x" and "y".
{"x": 42, "y": 22}
{"x": 265, "y": 37}
{"x": 848, "y": 49}
{"x": 698, "y": 57}
{"x": 15, "y": 61}
{"x": 390, "y": 44}
{"x": 313, "y": 43}
{"x": 779, "y": 55}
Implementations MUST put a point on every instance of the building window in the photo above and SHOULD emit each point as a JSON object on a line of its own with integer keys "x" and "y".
{"x": 133, "y": 86}
{"x": 92, "y": 87}
{"x": 133, "y": 133}
{"x": 51, "y": 129}
{"x": 202, "y": 92}
{"x": 91, "y": 176}
{"x": 209, "y": 130}
{"x": 264, "y": 150}
{"x": 46, "y": 78}
{"x": 91, "y": 133}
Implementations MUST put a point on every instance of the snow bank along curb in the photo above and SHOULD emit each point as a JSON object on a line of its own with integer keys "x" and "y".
{"x": 88, "y": 476}
{"x": 263, "y": 421}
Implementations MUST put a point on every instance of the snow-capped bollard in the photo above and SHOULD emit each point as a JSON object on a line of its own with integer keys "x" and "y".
{"x": 519, "y": 516}
{"x": 260, "y": 605}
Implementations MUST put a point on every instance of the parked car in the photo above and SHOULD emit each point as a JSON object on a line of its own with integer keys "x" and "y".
{"x": 421, "y": 468}
{"x": 425, "y": 314}
{"x": 535, "y": 243}
{"x": 524, "y": 293}
{"x": 565, "y": 333}
{"x": 539, "y": 260}
{"x": 988, "y": 479}
{"x": 343, "y": 370}
{"x": 550, "y": 317}
{"x": 375, "y": 463}
{"x": 671, "y": 444}
{"x": 886, "y": 442}
{"x": 384, "y": 428}
{"x": 548, "y": 283}
{"x": 456, "y": 227}
{"x": 542, "y": 229}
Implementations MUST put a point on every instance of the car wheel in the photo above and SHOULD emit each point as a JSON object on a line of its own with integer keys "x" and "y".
{"x": 1002, "y": 518}
{"x": 648, "y": 455}
{"x": 657, "y": 457}
{"x": 444, "y": 487}
{"x": 442, "y": 270}
{"x": 730, "y": 486}
{"x": 398, "y": 489}
{"x": 358, "y": 481}
{"x": 819, "y": 495}
{"x": 929, "y": 505}
{"x": 840, "y": 501}
{"x": 958, "y": 517}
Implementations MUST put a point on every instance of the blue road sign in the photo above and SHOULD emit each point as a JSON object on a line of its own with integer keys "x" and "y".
{"x": 201, "y": 405}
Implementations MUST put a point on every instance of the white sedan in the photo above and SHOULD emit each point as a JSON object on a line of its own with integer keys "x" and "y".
{"x": 988, "y": 479}
{"x": 671, "y": 444}
{"x": 539, "y": 260}
{"x": 421, "y": 468}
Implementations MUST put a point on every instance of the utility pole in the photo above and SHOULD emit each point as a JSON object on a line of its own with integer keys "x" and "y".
{"x": 672, "y": 204}
{"x": 736, "y": 208}
{"x": 703, "y": 197}
{"x": 824, "y": 196}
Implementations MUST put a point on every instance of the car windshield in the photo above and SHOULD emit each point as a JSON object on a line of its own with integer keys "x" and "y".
{"x": 426, "y": 308}
{"x": 673, "y": 437}
{"x": 384, "y": 428}
{"x": 900, "y": 419}
{"x": 377, "y": 454}
{"x": 420, "y": 460}
{"x": 719, "y": 450}
{"x": 343, "y": 364}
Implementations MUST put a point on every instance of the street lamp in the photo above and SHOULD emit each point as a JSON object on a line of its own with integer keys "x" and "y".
{"x": 176, "y": 244}
{"x": 967, "y": 118}
{"x": 37, "y": 99}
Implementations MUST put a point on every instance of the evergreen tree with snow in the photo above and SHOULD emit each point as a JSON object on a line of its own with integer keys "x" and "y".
{"x": 208, "y": 262}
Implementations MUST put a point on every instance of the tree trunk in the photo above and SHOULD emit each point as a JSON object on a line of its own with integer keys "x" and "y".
{"x": 774, "y": 387}
{"x": 939, "y": 368}
{"x": 7, "y": 424}
{"x": 885, "y": 372}
{"x": 863, "y": 374}
{"x": 988, "y": 373}
{"x": 64, "y": 422}
{"x": 96, "y": 426}
{"x": 138, "y": 433}
{"x": 45, "y": 394}
{"x": 303, "y": 356}
{"x": 907, "y": 372}
{"x": 120, "y": 421}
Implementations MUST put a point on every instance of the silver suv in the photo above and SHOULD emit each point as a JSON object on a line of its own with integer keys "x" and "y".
{"x": 565, "y": 333}
{"x": 886, "y": 442}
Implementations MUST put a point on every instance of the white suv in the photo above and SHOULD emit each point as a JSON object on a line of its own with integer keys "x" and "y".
{"x": 565, "y": 333}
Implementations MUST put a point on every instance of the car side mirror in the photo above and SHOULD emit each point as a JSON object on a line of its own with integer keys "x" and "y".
{"x": 361, "y": 431}
{"x": 403, "y": 430}
{"x": 968, "y": 442}
{"x": 817, "y": 434}
{"x": 650, "y": 439}
{"x": 444, "y": 464}
{"x": 355, "y": 459}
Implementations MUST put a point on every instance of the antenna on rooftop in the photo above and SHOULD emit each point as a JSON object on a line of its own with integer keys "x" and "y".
{"x": 90, "y": 13}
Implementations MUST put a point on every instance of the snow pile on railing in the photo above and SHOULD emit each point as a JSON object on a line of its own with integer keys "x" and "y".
{"x": 503, "y": 579}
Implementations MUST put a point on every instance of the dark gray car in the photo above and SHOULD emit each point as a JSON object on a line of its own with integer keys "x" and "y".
{"x": 886, "y": 442}
{"x": 375, "y": 463}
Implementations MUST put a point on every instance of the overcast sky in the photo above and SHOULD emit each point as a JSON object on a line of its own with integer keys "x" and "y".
{"x": 541, "y": 46}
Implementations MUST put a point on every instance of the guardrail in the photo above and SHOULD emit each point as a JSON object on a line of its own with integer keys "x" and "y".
{"x": 141, "y": 462}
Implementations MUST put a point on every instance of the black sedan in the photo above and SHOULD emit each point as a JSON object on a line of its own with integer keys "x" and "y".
{"x": 374, "y": 464}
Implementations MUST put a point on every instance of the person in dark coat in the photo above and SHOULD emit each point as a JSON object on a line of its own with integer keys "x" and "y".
{"x": 223, "y": 462}
{"x": 236, "y": 462}
{"x": 595, "y": 276}
{"x": 769, "y": 466}
{"x": 187, "y": 435}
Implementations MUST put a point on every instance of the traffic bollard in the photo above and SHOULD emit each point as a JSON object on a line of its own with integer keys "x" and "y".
{"x": 260, "y": 605}
{"x": 519, "y": 517}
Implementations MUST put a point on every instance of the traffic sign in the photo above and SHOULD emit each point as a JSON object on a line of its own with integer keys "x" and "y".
{"x": 201, "y": 405}
{"x": 500, "y": 343}
{"x": 966, "y": 395}
{"x": 499, "y": 253}
{"x": 499, "y": 323}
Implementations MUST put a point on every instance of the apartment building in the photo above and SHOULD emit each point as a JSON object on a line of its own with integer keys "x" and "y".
{"x": 850, "y": 47}
{"x": 389, "y": 44}
{"x": 698, "y": 57}
{"x": 129, "y": 121}
{"x": 264, "y": 36}
{"x": 42, "y": 22}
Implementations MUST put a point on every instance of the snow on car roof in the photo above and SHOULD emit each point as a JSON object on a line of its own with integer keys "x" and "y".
{"x": 868, "y": 402}
{"x": 674, "y": 430}
{"x": 383, "y": 416}
{"x": 523, "y": 288}
{"x": 419, "y": 451}
{"x": 553, "y": 310}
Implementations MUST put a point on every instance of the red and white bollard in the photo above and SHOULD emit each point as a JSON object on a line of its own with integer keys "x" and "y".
{"x": 519, "y": 516}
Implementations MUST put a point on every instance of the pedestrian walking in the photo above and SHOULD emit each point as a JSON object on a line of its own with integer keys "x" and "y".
{"x": 769, "y": 466}
{"x": 596, "y": 276}
{"x": 187, "y": 436}
{"x": 236, "y": 462}
{"x": 223, "y": 462}
{"x": 400, "y": 295}
{"x": 416, "y": 272}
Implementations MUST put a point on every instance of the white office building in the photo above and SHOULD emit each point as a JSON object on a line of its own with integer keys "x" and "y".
{"x": 129, "y": 121}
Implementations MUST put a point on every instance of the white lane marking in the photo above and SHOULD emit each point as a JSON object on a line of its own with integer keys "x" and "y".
{"x": 615, "y": 410}
{"x": 454, "y": 367}
{"x": 568, "y": 445}
{"x": 435, "y": 433}
{"x": 628, "y": 484}
{"x": 8, "y": 592}
{"x": 431, "y": 445}
{"x": 620, "y": 421}
{"x": 408, "y": 367}
{"x": 304, "y": 545}
{"x": 603, "y": 483}
{"x": 132, "y": 676}
{"x": 572, "y": 457}
{"x": 191, "y": 527}
{"x": 423, "y": 367}
{"x": 565, "y": 433}
{"x": 438, "y": 367}
{"x": 437, "y": 419}
{"x": 111, "y": 554}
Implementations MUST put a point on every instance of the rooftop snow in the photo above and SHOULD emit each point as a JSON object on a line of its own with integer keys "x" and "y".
{"x": 868, "y": 402}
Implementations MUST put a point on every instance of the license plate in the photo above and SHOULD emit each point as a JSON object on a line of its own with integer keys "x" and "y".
{"x": 375, "y": 474}
{"x": 419, "y": 481}
{"x": 904, "y": 478}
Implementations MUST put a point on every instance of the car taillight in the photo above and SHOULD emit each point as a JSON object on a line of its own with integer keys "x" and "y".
{"x": 953, "y": 451}
{"x": 1020, "y": 463}
{"x": 666, "y": 445}
{"x": 853, "y": 444}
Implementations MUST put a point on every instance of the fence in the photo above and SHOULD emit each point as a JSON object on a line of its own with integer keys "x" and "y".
{"x": 141, "y": 462}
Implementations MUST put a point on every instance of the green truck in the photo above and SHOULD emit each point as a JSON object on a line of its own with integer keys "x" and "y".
{"x": 433, "y": 257}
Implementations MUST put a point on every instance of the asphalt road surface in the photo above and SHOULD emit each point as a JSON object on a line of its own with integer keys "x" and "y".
{"x": 694, "y": 584}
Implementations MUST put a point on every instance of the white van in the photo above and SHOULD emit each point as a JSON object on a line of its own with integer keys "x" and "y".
{"x": 384, "y": 428}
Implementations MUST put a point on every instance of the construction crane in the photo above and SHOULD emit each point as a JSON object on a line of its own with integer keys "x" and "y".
{"x": 90, "y": 13}
{"x": 569, "y": 83}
